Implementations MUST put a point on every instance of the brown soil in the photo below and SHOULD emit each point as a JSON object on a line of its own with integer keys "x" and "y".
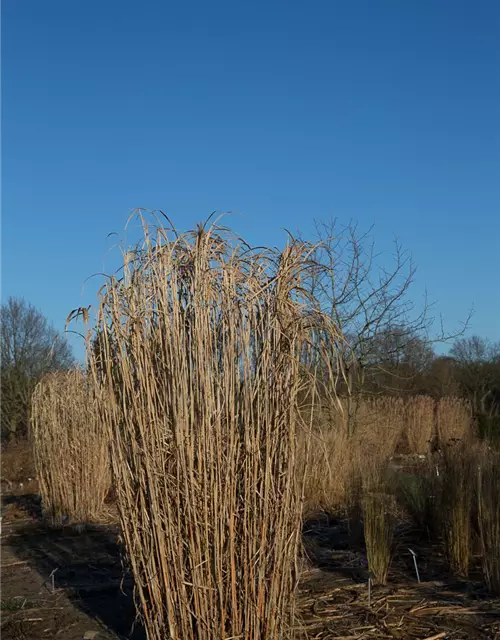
{"x": 63, "y": 583}
{"x": 69, "y": 583}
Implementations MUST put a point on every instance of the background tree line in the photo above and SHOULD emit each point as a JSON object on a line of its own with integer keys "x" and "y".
{"x": 389, "y": 348}
{"x": 30, "y": 347}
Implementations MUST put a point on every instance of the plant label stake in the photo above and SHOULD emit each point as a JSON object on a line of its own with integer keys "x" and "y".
{"x": 414, "y": 555}
{"x": 370, "y": 576}
{"x": 52, "y": 577}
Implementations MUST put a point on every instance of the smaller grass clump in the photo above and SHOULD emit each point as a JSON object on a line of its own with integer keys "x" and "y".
{"x": 488, "y": 499}
{"x": 377, "y": 507}
{"x": 419, "y": 423}
{"x": 419, "y": 495}
{"x": 457, "y": 489}
{"x": 70, "y": 448}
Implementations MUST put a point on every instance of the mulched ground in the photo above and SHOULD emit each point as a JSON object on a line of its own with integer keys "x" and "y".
{"x": 69, "y": 584}
{"x": 429, "y": 610}
{"x": 335, "y": 600}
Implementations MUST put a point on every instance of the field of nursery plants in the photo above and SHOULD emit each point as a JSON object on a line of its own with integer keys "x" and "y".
{"x": 221, "y": 468}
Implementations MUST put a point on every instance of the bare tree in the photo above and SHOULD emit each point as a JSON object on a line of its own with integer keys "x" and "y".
{"x": 369, "y": 303}
{"x": 30, "y": 347}
{"x": 478, "y": 362}
{"x": 475, "y": 350}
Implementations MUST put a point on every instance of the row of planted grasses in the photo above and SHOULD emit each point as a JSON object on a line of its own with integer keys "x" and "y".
{"x": 381, "y": 426}
{"x": 200, "y": 393}
{"x": 452, "y": 500}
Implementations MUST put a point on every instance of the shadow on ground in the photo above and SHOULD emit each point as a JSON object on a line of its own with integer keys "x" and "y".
{"x": 330, "y": 550}
{"x": 29, "y": 503}
{"x": 85, "y": 565}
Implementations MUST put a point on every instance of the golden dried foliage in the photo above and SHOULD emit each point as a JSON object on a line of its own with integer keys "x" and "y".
{"x": 201, "y": 345}
{"x": 420, "y": 421}
{"x": 70, "y": 448}
{"x": 454, "y": 420}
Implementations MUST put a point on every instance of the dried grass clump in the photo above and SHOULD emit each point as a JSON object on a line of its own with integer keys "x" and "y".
{"x": 454, "y": 421}
{"x": 378, "y": 431}
{"x": 325, "y": 455}
{"x": 489, "y": 517}
{"x": 420, "y": 495}
{"x": 377, "y": 506}
{"x": 337, "y": 460}
{"x": 202, "y": 342}
{"x": 70, "y": 448}
{"x": 420, "y": 423}
{"x": 457, "y": 488}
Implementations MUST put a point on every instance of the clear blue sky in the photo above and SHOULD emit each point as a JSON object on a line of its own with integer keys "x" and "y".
{"x": 384, "y": 111}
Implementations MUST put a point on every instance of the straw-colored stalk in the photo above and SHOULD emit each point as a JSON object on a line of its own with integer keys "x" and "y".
{"x": 70, "y": 448}
{"x": 420, "y": 421}
{"x": 454, "y": 420}
{"x": 202, "y": 344}
{"x": 489, "y": 517}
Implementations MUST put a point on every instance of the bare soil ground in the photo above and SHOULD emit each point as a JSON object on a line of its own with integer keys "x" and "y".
{"x": 335, "y": 601}
{"x": 66, "y": 583}
{"x": 70, "y": 584}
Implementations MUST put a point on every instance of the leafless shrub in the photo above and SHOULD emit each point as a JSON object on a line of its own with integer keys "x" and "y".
{"x": 70, "y": 448}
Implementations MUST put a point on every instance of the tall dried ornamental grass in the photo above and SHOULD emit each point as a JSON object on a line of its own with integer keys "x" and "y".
{"x": 377, "y": 507}
{"x": 70, "y": 448}
{"x": 457, "y": 487}
{"x": 420, "y": 423}
{"x": 325, "y": 459}
{"x": 488, "y": 500}
{"x": 337, "y": 461}
{"x": 202, "y": 342}
{"x": 378, "y": 431}
{"x": 454, "y": 420}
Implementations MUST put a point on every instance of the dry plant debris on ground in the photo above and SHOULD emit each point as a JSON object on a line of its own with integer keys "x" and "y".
{"x": 91, "y": 597}
{"x": 424, "y": 611}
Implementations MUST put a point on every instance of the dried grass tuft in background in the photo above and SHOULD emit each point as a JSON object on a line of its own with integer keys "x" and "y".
{"x": 489, "y": 517}
{"x": 70, "y": 448}
{"x": 420, "y": 423}
{"x": 454, "y": 420}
